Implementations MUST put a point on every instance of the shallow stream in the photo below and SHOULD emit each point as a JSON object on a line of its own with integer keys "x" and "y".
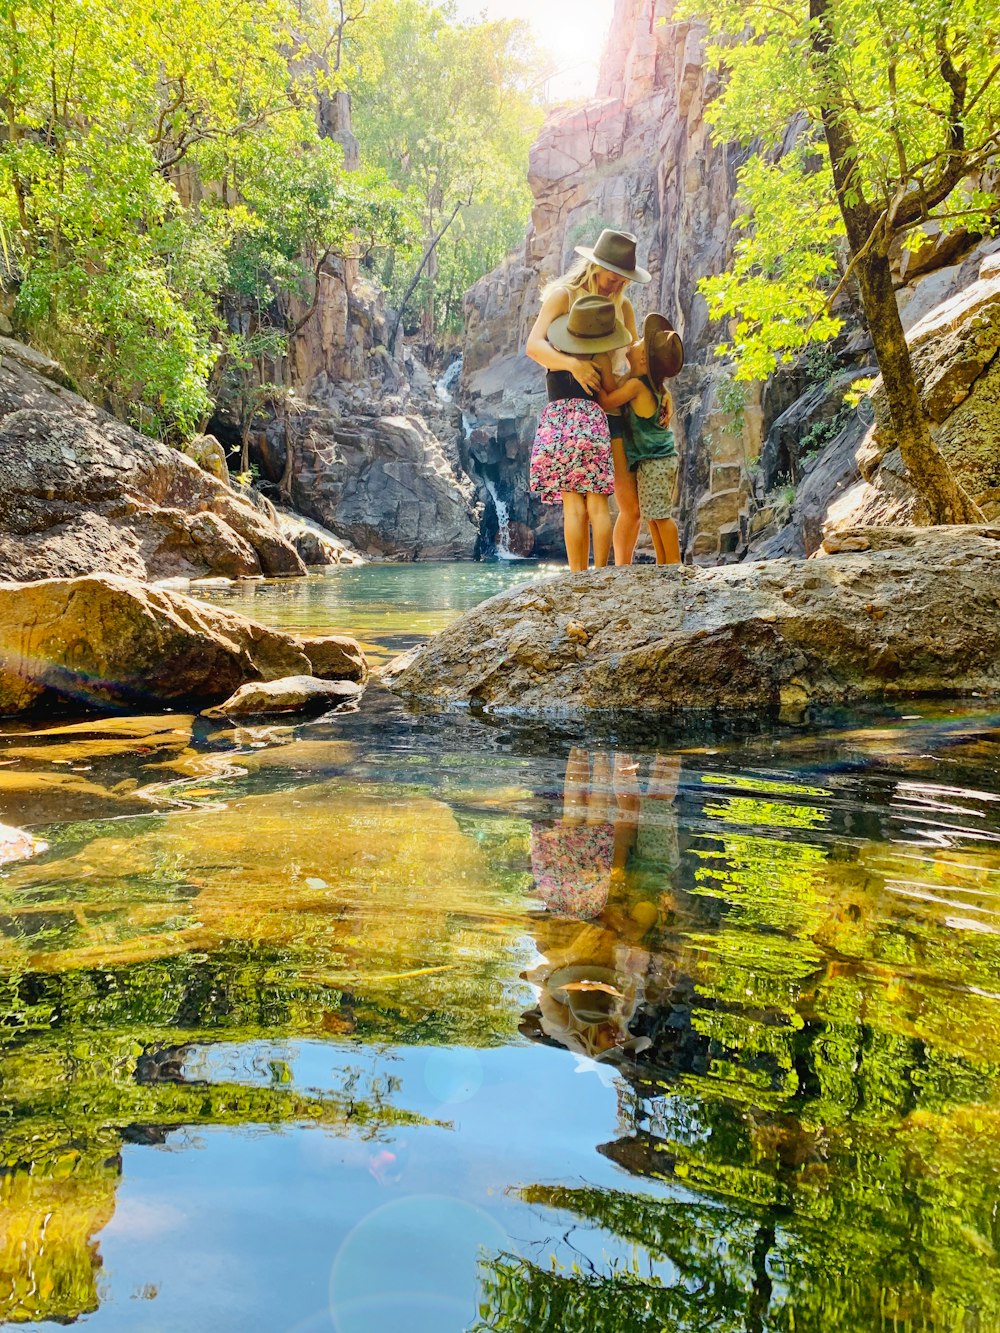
{"x": 398, "y": 1020}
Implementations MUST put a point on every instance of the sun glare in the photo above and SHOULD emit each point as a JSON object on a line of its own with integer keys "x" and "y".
{"x": 572, "y": 32}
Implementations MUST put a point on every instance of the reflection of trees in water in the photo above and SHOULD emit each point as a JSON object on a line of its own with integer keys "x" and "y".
{"x": 820, "y": 1097}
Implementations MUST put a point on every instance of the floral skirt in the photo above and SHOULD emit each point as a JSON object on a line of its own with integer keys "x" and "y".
{"x": 572, "y": 451}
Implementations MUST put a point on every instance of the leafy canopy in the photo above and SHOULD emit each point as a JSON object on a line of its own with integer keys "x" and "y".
{"x": 913, "y": 88}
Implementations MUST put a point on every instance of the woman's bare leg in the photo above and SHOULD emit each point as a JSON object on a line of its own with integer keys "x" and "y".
{"x": 666, "y": 541}
{"x": 576, "y": 788}
{"x": 576, "y": 531}
{"x": 599, "y": 516}
{"x": 627, "y": 523}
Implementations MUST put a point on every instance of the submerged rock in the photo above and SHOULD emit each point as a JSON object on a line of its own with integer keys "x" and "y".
{"x": 291, "y": 694}
{"x": 917, "y": 612}
{"x": 17, "y": 845}
{"x": 105, "y": 641}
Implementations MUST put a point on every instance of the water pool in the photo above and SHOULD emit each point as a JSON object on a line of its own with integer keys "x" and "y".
{"x": 409, "y": 1021}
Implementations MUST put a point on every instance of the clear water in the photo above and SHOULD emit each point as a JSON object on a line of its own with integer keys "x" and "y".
{"x": 402, "y": 1021}
{"x": 387, "y": 608}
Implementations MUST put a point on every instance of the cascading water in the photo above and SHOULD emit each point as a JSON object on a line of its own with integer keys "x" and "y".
{"x": 502, "y": 551}
{"x": 448, "y": 380}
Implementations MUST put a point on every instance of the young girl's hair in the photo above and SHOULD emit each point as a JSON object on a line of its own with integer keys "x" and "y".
{"x": 581, "y": 280}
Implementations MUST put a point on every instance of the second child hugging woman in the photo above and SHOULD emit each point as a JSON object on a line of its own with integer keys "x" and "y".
{"x": 571, "y": 456}
{"x": 647, "y": 407}
{"x": 604, "y": 269}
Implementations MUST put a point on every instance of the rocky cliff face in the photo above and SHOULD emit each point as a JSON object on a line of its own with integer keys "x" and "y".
{"x": 638, "y": 158}
{"x": 374, "y": 449}
{"x": 762, "y": 470}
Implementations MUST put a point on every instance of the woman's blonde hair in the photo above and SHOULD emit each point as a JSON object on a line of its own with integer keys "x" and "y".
{"x": 581, "y": 280}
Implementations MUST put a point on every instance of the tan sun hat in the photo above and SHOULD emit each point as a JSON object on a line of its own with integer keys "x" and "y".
{"x": 664, "y": 348}
{"x": 591, "y": 326}
{"x": 615, "y": 250}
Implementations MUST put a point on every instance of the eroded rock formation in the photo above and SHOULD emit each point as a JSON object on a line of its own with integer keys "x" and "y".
{"x": 80, "y": 493}
{"x": 896, "y": 613}
{"x": 638, "y": 157}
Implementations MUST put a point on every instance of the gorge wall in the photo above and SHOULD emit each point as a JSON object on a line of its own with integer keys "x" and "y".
{"x": 764, "y": 467}
{"x": 638, "y": 157}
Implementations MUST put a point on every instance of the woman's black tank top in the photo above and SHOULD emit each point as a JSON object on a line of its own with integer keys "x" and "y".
{"x": 560, "y": 384}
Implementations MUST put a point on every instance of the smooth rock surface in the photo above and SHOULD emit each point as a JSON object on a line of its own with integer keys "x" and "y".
{"x": 335, "y": 657}
{"x": 291, "y": 694}
{"x": 103, "y": 640}
{"x": 920, "y": 615}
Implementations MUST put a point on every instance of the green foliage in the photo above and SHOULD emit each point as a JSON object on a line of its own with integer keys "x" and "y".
{"x": 819, "y": 435}
{"x": 115, "y": 122}
{"x": 777, "y": 289}
{"x": 910, "y": 93}
{"x": 448, "y": 111}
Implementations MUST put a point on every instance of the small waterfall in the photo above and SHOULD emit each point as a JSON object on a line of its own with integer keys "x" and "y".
{"x": 448, "y": 380}
{"x": 503, "y": 551}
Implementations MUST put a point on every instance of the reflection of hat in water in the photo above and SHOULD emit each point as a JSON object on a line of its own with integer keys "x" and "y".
{"x": 588, "y": 991}
{"x": 664, "y": 349}
{"x": 592, "y": 325}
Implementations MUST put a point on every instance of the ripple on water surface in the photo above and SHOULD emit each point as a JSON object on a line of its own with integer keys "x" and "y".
{"x": 407, "y": 1021}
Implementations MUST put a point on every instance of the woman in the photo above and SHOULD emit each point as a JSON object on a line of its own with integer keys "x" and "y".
{"x": 571, "y": 460}
{"x": 605, "y": 269}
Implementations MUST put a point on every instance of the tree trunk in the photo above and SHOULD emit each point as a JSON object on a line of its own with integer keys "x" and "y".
{"x": 944, "y": 499}
{"x": 462, "y": 203}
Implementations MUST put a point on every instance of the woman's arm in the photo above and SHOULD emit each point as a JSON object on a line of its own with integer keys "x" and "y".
{"x": 541, "y": 350}
{"x": 612, "y": 399}
{"x": 628, "y": 318}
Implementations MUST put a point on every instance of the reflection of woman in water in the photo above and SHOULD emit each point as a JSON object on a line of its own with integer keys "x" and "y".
{"x": 595, "y": 972}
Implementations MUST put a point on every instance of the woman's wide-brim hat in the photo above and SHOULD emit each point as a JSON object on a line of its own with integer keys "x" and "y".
{"x": 591, "y": 326}
{"x": 664, "y": 348}
{"x": 615, "y": 250}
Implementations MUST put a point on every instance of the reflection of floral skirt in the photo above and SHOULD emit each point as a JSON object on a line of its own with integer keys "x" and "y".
{"x": 571, "y": 864}
{"x": 572, "y": 451}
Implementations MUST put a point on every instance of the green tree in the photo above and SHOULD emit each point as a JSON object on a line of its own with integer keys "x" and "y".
{"x": 447, "y": 110}
{"x": 898, "y": 113}
{"x": 163, "y": 175}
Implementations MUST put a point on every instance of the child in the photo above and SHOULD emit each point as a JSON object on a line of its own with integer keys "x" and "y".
{"x": 571, "y": 457}
{"x": 649, "y": 441}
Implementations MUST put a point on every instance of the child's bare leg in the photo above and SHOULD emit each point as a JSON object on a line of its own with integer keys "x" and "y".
{"x": 661, "y": 558}
{"x": 576, "y": 532}
{"x": 665, "y": 538}
{"x": 600, "y": 525}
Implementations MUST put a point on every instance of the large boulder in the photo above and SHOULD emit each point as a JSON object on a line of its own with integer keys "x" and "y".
{"x": 106, "y": 641}
{"x": 81, "y": 493}
{"x": 387, "y": 485}
{"x": 918, "y": 615}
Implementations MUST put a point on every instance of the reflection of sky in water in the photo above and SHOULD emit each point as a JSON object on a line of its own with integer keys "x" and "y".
{"x": 259, "y": 1219}
{"x": 303, "y": 980}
